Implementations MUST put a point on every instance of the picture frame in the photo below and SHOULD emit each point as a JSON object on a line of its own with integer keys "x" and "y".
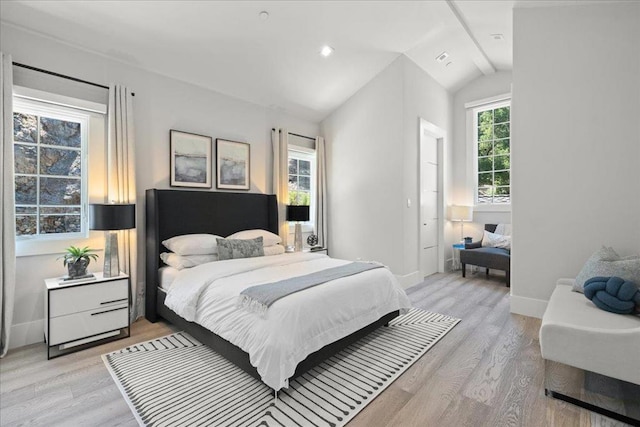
{"x": 190, "y": 159}
{"x": 233, "y": 165}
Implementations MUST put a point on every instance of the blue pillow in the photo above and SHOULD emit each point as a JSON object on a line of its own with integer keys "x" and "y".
{"x": 612, "y": 294}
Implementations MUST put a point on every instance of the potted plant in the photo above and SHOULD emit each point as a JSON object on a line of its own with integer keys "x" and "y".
{"x": 77, "y": 260}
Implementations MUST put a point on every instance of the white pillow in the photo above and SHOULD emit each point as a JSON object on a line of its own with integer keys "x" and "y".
{"x": 504, "y": 229}
{"x": 268, "y": 238}
{"x": 493, "y": 240}
{"x": 186, "y": 261}
{"x": 273, "y": 250}
{"x": 193, "y": 244}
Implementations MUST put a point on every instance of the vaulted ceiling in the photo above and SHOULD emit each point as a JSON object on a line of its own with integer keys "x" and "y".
{"x": 227, "y": 46}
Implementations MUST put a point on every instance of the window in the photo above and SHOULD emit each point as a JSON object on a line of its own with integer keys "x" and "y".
{"x": 302, "y": 180}
{"x": 492, "y": 153}
{"x": 50, "y": 151}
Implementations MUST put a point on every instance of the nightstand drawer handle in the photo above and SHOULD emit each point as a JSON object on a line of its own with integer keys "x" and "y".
{"x": 109, "y": 311}
{"x": 115, "y": 300}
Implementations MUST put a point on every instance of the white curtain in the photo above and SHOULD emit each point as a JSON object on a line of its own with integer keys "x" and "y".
{"x": 280, "y": 144}
{"x": 7, "y": 205}
{"x": 121, "y": 180}
{"x": 321, "y": 191}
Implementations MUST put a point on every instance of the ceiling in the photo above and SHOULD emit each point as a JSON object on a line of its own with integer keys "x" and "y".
{"x": 225, "y": 45}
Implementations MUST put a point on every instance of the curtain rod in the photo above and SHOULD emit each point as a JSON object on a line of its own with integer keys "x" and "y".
{"x": 52, "y": 73}
{"x": 296, "y": 134}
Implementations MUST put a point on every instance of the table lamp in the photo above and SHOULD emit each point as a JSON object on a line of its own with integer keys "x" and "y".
{"x": 462, "y": 214}
{"x": 111, "y": 218}
{"x": 298, "y": 214}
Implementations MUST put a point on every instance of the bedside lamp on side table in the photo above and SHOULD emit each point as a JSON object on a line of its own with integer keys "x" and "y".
{"x": 298, "y": 214}
{"x": 110, "y": 218}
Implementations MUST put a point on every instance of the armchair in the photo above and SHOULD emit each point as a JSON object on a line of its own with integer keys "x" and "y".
{"x": 490, "y": 258}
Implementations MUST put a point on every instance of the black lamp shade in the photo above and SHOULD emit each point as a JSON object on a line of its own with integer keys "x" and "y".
{"x": 297, "y": 213}
{"x": 112, "y": 216}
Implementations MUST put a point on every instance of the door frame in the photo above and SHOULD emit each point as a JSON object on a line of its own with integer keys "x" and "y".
{"x": 428, "y": 128}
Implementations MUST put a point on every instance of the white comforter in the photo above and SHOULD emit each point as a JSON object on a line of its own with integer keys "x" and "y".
{"x": 294, "y": 326}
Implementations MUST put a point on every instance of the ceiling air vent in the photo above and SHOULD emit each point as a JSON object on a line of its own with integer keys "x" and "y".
{"x": 442, "y": 56}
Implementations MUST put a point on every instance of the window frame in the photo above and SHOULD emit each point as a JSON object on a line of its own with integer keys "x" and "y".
{"x": 95, "y": 169}
{"x": 39, "y": 108}
{"x": 309, "y": 154}
{"x": 472, "y": 122}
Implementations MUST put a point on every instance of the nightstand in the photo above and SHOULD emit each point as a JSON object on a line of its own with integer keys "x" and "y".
{"x": 317, "y": 250}
{"x": 79, "y": 315}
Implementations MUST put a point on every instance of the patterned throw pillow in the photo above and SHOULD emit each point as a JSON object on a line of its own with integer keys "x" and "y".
{"x": 240, "y": 248}
{"x": 605, "y": 262}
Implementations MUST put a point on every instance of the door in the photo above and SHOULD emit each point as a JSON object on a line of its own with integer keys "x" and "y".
{"x": 429, "y": 204}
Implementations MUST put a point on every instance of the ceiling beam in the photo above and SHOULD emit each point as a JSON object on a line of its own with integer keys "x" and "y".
{"x": 479, "y": 57}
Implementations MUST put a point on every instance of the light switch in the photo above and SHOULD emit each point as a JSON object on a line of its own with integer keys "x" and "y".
{"x": 408, "y": 203}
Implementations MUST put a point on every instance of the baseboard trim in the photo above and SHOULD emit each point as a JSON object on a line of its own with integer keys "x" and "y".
{"x": 408, "y": 280}
{"x": 26, "y": 333}
{"x": 528, "y": 306}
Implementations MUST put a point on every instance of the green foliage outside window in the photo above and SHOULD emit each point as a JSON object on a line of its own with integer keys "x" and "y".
{"x": 494, "y": 155}
{"x": 299, "y": 182}
{"x": 300, "y": 198}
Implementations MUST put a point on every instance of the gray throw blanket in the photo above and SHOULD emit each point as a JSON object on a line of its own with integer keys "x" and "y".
{"x": 260, "y": 297}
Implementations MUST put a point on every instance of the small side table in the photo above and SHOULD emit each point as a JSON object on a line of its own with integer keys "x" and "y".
{"x": 82, "y": 313}
{"x": 316, "y": 250}
{"x": 455, "y": 262}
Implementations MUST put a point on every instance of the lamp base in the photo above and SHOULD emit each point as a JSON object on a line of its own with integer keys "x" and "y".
{"x": 111, "y": 262}
{"x": 297, "y": 243}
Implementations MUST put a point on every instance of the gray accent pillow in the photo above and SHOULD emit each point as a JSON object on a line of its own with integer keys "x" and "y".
{"x": 240, "y": 248}
{"x": 605, "y": 262}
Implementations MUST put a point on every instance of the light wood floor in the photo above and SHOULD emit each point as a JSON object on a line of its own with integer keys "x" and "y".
{"x": 486, "y": 372}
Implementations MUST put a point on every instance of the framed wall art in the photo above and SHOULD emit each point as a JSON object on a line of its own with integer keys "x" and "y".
{"x": 233, "y": 160}
{"x": 190, "y": 159}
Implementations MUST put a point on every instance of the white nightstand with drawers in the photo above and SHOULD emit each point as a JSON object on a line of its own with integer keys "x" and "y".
{"x": 77, "y": 314}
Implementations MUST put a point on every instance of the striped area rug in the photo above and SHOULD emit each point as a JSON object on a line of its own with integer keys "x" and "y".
{"x": 177, "y": 381}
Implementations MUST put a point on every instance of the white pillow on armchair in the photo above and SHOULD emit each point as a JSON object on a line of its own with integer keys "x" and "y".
{"x": 494, "y": 240}
{"x": 503, "y": 229}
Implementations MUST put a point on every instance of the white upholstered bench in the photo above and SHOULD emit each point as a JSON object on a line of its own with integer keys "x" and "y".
{"x": 576, "y": 333}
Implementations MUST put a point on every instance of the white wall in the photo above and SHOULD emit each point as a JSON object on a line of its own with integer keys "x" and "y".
{"x": 160, "y": 104}
{"x": 372, "y": 148}
{"x": 576, "y": 156}
{"x": 423, "y": 98}
{"x": 364, "y": 171}
{"x": 462, "y": 169}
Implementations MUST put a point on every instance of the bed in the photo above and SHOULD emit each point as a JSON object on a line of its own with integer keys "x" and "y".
{"x": 172, "y": 213}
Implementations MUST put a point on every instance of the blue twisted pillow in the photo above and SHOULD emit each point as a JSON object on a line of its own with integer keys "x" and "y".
{"x": 612, "y": 294}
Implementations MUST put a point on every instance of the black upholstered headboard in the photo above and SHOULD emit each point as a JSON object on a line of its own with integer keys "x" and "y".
{"x": 171, "y": 213}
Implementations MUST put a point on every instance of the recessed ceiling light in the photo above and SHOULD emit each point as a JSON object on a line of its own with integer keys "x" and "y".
{"x": 497, "y": 36}
{"x": 442, "y": 56}
{"x": 264, "y": 15}
{"x": 449, "y": 63}
{"x": 326, "y": 51}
